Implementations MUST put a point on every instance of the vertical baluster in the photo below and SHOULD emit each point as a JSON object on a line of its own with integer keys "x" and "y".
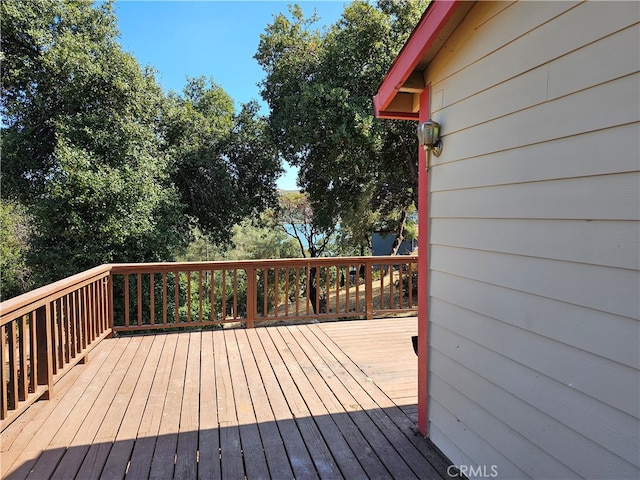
{"x": 276, "y": 290}
{"x": 139, "y": 296}
{"x": 391, "y": 291}
{"x": 189, "y": 296}
{"x": 152, "y": 298}
{"x": 22, "y": 351}
{"x": 212, "y": 294}
{"x": 60, "y": 330}
{"x": 411, "y": 285}
{"x": 77, "y": 324}
{"x": 67, "y": 328}
{"x": 347, "y": 294}
{"x": 297, "y": 291}
{"x": 327, "y": 282}
{"x": 45, "y": 320}
{"x": 339, "y": 276}
{"x": 164, "y": 298}
{"x": 265, "y": 290}
{"x": 401, "y": 274}
{"x": 176, "y": 276}
{"x": 357, "y": 285}
{"x": 99, "y": 315}
{"x": 97, "y": 299}
{"x": 126, "y": 300}
{"x": 224, "y": 294}
{"x": 235, "y": 293}
{"x": 33, "y": 352}
{"x": 55, "y": 344}
{"x": 200, "y": 295}
{"x": 79, "y": 320}
{"x": 317, "y": 284}
{"x": 4, "y": 394}
{"x": 309, "y": 289}
{"x": 12, "y": 396}
{"x": 382, "y": 274}
{"x": 91, "y": 311}
{"x": 73, "y": 318}
{"x": 287, "y": 273}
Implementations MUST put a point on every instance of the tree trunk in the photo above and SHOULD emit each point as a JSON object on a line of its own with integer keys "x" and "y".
{"x": 399, "y": 233}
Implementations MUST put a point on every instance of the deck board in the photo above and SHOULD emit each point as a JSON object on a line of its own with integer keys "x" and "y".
{"x": 328, "y": 400}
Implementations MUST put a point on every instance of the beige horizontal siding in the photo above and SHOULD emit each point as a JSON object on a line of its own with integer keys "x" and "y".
{"x": 608, "y": 243}
{"x": 611, "y": 150}
{"x": 535, "y": 240}
{"x": 605, "y": 197}
{"x": 531, "y": 438}
{"x": 600, "y": 107}
{"x": 512, "y": 53}
{"x": 612, "y": 337}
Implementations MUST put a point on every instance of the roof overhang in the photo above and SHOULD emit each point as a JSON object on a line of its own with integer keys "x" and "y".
{"x": 398, "y": 96}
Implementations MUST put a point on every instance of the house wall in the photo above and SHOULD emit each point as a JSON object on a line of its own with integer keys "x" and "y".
{"x": 534, "y": 241}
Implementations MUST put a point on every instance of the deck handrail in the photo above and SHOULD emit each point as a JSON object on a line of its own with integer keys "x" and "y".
{"x": 46, "y": 331}
{"x": 174, "y": 295}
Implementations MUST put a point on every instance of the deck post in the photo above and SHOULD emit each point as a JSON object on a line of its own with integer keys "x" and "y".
{"x": 368, "y": 275}
{"x": 44, "y": 352}
{"x": 110, "y": 313}
{"x": 252, "y": 298}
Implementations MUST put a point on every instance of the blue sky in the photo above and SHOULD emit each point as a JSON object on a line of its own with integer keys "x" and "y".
{"x": 212, "y": 38}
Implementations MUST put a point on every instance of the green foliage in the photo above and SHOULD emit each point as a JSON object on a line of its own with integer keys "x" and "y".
{"x": 319, "y": 84}
{"x": 15, "y": 276}
{"x": 109, "y": 168}
{"x": 223, "y": 165}
{"x": 82, "y": 142}
{"x": 251, "y": 240}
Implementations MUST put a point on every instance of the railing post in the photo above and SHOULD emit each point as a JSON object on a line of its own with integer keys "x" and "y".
{"x": 252, "y": 298}
{"x": 110, "y": 301}
{"x": 45, "y": 355}
{"x": 368, "y": 278}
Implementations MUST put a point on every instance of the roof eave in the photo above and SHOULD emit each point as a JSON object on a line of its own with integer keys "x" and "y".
{"x": 405, "y": 75}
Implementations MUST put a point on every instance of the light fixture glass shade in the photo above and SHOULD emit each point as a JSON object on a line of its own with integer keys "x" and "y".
{"x": 428, "y": 137}
{"x": 428, "y": 133}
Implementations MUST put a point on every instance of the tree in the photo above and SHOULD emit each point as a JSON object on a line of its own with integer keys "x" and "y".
{"x": 81, "y": 146}
{"x": 15, "y": 276}
{"x": 295, "y": 217}
{"x": 319, "y": 86}
{"x": 109, "y": 168}
{"x": 223, "y": 165}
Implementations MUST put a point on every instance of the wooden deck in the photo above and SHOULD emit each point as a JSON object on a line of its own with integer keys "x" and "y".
{"x": 326, "y": 400}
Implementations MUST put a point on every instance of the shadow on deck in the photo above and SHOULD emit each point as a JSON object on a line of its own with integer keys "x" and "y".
{"x": 330, "y": 400}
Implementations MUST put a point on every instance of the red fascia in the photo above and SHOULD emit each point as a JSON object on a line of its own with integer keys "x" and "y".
{"x": 431, "y": 24}
{"x": 434, "y": 19}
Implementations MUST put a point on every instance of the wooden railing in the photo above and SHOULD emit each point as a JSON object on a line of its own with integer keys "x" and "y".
{"x": 45, "y": 332}
{"x": 175, "y": 295}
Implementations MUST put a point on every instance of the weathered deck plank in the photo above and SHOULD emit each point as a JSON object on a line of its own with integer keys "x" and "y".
{"x": 273, "y": 444}
{"x": 306, "y": 401}
{"x": 140, "y": 462}
{"x": 208, "y": 440}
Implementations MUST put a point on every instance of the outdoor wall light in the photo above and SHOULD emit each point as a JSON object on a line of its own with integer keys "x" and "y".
{"x": 429, "y": 137}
